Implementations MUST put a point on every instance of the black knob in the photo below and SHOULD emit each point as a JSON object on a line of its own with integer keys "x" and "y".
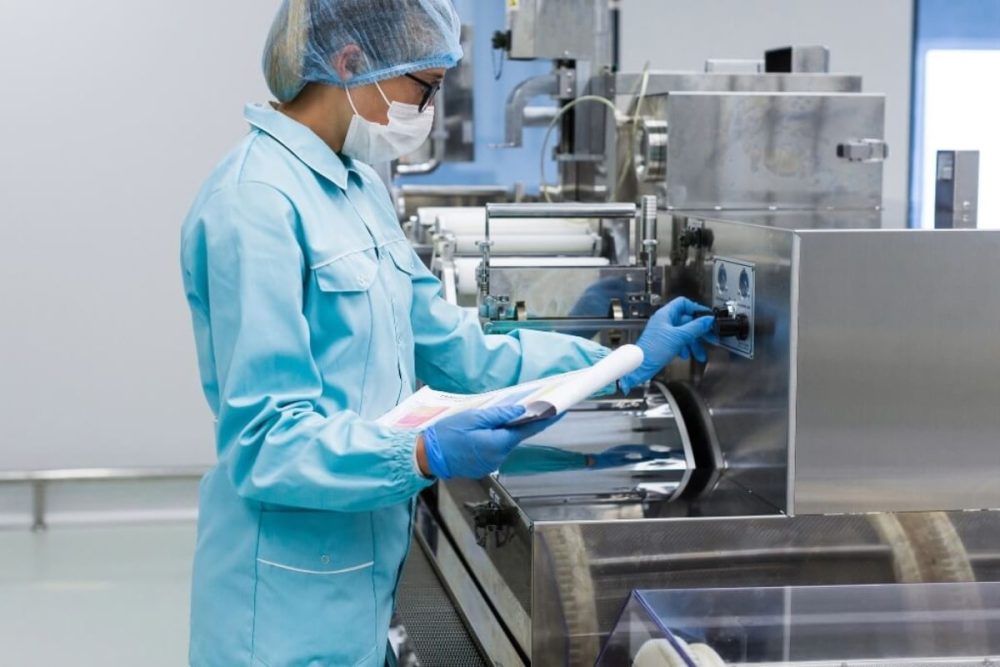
{"x": 726, "y": 325}
{"x": 732, "y": 327}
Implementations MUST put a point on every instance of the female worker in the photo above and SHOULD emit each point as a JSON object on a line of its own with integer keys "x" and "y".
{"x": 313, "y": 317}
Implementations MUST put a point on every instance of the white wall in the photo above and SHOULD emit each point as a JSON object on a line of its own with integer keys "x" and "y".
{"x": 113, "y": 113}
{"x": 961, "y": 114}
{"x": 868, "y": 37}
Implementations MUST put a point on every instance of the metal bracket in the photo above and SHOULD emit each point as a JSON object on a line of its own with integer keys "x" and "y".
{"x": 488, "y": 518}
{"x": 863, "y": 150}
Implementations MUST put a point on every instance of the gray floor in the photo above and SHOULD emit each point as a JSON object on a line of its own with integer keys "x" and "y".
{"x": 95, "y": 596}
{"x": 118, "y": 595}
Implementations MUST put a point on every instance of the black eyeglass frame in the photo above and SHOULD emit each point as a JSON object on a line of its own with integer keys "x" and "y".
{"x": 430, "y": 90}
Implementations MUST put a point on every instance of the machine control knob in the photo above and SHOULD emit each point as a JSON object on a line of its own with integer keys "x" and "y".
{"x": 727, "y": 326}
{"x": 729, "y": 323}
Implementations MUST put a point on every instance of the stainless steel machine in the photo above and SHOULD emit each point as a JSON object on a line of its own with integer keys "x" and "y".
{"x": 844, "y": 430}
{"x": 847, "y": 435}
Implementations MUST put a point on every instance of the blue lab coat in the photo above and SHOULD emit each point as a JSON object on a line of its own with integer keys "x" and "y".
{"x": 313, "y": 317}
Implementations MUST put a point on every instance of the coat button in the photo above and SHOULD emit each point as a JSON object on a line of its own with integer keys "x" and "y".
{"x": 324, "y": 559}
{"x": 361, "y": 280}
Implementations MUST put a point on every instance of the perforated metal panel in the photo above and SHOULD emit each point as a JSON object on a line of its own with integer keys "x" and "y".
{"x": 434, "y": 628}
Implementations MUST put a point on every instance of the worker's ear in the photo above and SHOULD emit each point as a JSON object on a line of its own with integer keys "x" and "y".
{"x": 347, "y": 62}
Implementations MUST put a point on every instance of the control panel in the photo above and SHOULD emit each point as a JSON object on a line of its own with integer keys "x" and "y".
{"x": 733, "y": 299}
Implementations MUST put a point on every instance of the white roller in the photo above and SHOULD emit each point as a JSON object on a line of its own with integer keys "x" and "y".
{"x": 536, "y": 244}
{"x": 471, "y": 221}
{"x": 465, "y": 267}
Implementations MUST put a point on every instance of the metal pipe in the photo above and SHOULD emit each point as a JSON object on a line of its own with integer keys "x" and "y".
{"x": 517, "y": 101}
{"x": 98, "y": 474}
{"x": 568, "y": 210}
{"x": 618, "y": 565}
{"x": 567, "y": 324}
{"x": 496, "y": 191}
{"x": 539, "y": 116}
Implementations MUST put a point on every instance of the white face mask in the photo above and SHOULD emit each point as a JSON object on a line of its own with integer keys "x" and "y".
{"x": 375, "y": 143}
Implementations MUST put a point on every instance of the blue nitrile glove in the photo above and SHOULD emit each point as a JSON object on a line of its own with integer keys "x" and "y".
{"x": 474, "y": 443}
{"x": 672, "y": 331}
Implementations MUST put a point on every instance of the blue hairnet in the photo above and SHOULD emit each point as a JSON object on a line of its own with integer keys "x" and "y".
{"x": 392, "y": 37}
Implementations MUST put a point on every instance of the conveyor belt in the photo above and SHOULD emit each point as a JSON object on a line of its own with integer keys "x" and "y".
{"x": 434, "y": 629}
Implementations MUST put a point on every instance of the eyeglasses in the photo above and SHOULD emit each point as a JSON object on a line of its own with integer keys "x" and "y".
{"x": 430, "y": 90}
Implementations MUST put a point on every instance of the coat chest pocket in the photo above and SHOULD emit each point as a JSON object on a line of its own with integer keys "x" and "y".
{"x": 402, "y": 255}
{"x": 339, "y": 303}
{"x": 353, "y": 272}
{"x": 314, "y": 600}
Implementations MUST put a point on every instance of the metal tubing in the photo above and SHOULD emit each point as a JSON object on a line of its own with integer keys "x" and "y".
{"x": 539, "y": 116}
{"x": 568, "y": 210}
{"x": 517, "y": 101}
{"x": 85, "y": 474}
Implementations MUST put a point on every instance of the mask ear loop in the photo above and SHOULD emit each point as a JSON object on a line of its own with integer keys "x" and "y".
{"x": 382, "y": 93}
{"x": 351, "y": 101}
{"x": 355, "y": 109}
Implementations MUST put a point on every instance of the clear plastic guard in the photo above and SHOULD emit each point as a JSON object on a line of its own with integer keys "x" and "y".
{"x": 893, "y": 625}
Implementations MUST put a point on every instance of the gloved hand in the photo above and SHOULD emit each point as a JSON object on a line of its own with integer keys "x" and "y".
{"x": 672, "y": 331}
{"x": 474, "y": 443}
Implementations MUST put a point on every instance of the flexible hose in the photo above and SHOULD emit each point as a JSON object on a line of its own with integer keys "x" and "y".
{"x": 619, "y": 117}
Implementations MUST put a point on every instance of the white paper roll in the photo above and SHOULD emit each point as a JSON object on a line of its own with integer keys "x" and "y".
{"x": 465, "y": 275}
{"x": 605, "y": 372}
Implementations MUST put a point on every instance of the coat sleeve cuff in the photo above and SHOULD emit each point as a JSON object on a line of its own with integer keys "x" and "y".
{"x": 404, "y": 467}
